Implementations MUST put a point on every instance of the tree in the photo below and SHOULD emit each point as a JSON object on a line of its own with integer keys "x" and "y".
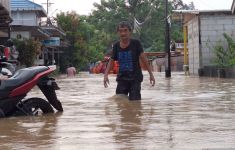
{"x": 147, "y": 17}
{"x": 91, "y": 36}
{"x": 179, "y": 5}
{"x": 83, "y": 37}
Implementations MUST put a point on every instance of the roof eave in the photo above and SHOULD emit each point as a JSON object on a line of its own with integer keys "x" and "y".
{"x": 41, "y": 12}
{"x": 226, "y": 11}
{"x": 54, "y": 30}
{"x": 187, "y": 15}
{"x": 35, "y": 30}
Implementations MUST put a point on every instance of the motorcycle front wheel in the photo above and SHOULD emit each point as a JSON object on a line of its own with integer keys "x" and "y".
{"x": 37, "y": 106}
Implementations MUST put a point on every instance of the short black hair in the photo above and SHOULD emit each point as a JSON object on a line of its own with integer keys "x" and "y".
{"x": 123, "y": 24}
{"x": 70, "y": 65}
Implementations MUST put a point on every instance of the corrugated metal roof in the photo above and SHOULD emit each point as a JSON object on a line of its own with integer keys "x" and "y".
{"x": 27, "y": 5}
{"x": 187, "y": 15}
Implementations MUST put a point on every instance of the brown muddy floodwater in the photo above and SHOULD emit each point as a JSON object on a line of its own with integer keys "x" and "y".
{"x": 182, "y": 113}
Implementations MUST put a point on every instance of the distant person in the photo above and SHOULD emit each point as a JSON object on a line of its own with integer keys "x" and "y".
{"x": 128, "y": 52}
{"x": 172, "y": 46}
{"x": 71, "y": 71}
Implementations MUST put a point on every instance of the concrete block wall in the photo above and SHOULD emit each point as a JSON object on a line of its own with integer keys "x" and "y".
{"x": 212, "y": 28}
{"x": 193, "y": 45}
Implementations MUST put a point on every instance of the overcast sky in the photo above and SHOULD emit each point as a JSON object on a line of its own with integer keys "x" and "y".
{"x": 84, "y": 7}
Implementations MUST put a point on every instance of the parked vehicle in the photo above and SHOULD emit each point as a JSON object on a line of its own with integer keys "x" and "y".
{"x": 14, "y": 90}
{"x": 6, "y": 66}
{"x": 100, "y": 66}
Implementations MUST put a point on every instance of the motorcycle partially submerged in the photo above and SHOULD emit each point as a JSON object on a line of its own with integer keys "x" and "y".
{"x": 13, "y": 91}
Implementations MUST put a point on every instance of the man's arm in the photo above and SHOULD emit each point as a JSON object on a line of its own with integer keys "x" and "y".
{"x": 145, "y": 63}
{"x": 109, "y": 66}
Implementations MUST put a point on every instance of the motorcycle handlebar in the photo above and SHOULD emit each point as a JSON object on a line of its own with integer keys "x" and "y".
{"x": 4, "y": 60}
{"x": 12, "y": 61}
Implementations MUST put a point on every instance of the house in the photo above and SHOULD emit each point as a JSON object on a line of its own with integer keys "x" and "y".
{"x": 26, "y": 20}
{"x": 5, "y": 20}
{"x": 29, "y": 22}
{"x": 203, "y": 29}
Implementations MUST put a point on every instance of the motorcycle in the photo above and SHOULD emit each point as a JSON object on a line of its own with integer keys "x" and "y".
{"x": 13, "y": 92}
{"x": 6, "y": 66}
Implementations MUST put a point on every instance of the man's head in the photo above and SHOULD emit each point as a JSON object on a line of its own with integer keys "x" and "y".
{"x": 124, "y": 30}
{"x": 124, "y": 24}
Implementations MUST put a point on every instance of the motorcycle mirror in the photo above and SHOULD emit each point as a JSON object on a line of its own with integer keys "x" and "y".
{"x": 3, "y": 58}
{"x": 9, "y": 43}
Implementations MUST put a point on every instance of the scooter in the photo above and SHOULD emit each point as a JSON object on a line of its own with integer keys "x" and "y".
{"x": 13, "y": 92}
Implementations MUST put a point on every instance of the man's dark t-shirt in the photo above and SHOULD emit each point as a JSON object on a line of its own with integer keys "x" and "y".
{"x": 128, "y": 59}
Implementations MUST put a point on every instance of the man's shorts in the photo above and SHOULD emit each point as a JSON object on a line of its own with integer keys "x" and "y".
{"x": 129, "y": 87}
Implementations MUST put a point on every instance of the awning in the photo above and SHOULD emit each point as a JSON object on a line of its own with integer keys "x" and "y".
{"x": 36, "y": 31}
{"x": 54, "y": 31}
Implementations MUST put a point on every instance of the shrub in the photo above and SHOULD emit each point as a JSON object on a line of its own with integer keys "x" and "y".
{"x": 224, "y": 57}
{"x": 28, "y": 49}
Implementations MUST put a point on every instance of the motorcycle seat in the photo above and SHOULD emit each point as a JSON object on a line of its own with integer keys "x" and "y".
{"x": 21, "y": 76}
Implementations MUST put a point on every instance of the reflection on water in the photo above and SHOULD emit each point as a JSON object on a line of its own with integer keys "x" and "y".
{"x": 127, "y": 125}
{"x": 178, "y": 113}
{"x": 28, "y": 132}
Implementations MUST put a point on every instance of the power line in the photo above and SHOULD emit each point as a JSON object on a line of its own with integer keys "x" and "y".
{"x": 48, "y": 5}
{"x": 137, "y": 24}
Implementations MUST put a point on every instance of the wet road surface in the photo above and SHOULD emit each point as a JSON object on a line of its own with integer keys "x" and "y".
{"x": 184, "y": 112}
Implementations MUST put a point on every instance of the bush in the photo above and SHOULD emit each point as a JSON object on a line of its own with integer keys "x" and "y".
{"x": 28, "y": 49}
{"x": 225, "y": 57}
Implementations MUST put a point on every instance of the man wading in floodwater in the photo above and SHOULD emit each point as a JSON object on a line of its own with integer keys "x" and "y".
{"x": 128, "y": 52}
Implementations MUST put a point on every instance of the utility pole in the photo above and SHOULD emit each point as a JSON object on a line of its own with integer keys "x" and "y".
{"x": 47, "y": 7}
{"x": 167, "y": 43}
{"x": 48, "y": 4}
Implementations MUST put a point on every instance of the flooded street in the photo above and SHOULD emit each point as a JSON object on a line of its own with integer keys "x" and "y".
{"x": 184, "y": 112}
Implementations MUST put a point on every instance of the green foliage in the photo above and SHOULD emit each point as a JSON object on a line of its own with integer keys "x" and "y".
{"x": 28, "y": 49}
{"x": 91, "y": 36}
{"x": 87, "y": 43}
{"x": 179, "y": 5}
{"x": 150, "y": 13}
{"x": 225, "y": 57}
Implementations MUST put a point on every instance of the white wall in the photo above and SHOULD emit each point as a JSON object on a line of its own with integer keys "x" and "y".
{"x": 212, "y": 29}
{"x": 24, "y": 34}
{"x": 24, "y": 18}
